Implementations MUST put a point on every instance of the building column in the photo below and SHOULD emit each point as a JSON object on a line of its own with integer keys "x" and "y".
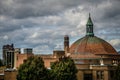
{"x": 80, "y": 75}
{"x": 94, "y": 75}
{"x": 6, "y": 59}
{"x": 106, "y": 75}
{"x": 11, "y": 59}
{"x": 15, "y": 58}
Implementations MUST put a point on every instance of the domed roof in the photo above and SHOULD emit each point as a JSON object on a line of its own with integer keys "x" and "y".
{"x": 91, "y": 43}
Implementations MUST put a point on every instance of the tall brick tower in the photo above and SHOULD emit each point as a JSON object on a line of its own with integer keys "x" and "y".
{"x": 66, "y": 44}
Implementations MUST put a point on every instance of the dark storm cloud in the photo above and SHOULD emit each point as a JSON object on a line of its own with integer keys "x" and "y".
{"x": 29, "y": 8}
{"x": 34, "y": 8}
{"x": 42, "y": 24}
{"x": 113, "y": 11}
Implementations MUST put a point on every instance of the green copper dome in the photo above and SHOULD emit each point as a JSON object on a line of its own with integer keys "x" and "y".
{"x": 91, "y": 43}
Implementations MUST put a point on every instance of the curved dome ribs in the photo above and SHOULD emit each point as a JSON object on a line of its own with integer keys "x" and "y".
{"x": 92, "y": 45}
{"x": 81, "y": 44}
{"x": 106, "y": 47}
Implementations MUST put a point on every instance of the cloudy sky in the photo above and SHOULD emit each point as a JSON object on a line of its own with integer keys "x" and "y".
{"x": 42, "y": 24}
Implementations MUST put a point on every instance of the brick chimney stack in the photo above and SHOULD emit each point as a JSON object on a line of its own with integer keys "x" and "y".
{"x": 66, "y": 44}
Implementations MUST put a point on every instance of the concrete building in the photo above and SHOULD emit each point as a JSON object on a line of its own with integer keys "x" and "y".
{"x": 13, "y": 58}
{"x": 8, "y": 55}
{"x": 28, "y": 50}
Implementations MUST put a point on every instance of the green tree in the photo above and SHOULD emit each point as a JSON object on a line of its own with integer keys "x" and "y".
{"x": 64, "y": 69}
{"x": 117, "y": 72}
{"x": 1, "y": 63}
{"x": 32, "y": 69}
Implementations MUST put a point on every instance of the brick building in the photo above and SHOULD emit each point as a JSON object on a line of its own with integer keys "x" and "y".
{"x": 95, "y": 58}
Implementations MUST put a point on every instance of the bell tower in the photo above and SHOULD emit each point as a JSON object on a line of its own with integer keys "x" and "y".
{"x": 66, "y": 44}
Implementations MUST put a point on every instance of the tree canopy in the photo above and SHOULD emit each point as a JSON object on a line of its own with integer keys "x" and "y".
{"x": 117, "y": 72}
{"x": 1, "y": 63}
{"x": 32, "y": 69}
{"x": 64, "y": 69}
